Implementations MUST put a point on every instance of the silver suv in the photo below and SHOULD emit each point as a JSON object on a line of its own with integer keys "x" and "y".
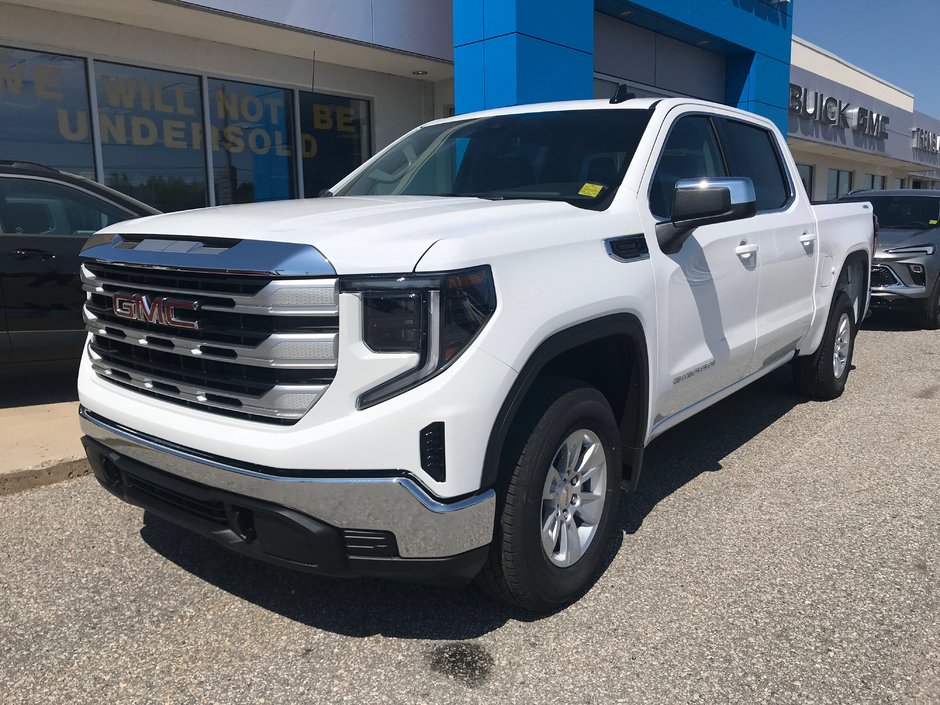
{"x": 906, "y": 269}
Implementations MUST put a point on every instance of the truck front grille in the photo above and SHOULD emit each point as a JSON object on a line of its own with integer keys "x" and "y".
{"x": 253, "y": 346}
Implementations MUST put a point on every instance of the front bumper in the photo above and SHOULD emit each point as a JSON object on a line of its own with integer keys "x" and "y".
{"x": 893, "y": 282}
{"x": 326, "y": 514}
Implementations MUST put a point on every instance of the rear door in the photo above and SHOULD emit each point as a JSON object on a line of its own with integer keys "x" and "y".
{"x": 786, "y": 238}
{"x": 707, "y": 292}
{"x": 43, "y": 226}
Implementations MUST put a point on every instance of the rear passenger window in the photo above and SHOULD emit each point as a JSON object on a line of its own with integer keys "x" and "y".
{"x": 751, "y": 151}
{"x": 691, "y": 152}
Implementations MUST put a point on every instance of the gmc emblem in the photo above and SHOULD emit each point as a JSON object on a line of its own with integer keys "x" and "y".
{"x": 162, "y": 311}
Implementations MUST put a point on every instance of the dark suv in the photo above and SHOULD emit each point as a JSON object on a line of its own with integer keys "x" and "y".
{"x": 906, "y": 269}
{"x": 45, "y": 218}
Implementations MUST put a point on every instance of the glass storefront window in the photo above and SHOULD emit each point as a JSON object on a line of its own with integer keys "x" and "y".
{"x": 334, "y": 138}
{"x": 152, "y": 135}
{"x": 44, "y": 110}
{"x": 151, "y": 131}
{"x": 252, "y": 136}
{"x": 874, "y": 182}
{"x": 806, "y": 176}
{"x": 840, "y": 183}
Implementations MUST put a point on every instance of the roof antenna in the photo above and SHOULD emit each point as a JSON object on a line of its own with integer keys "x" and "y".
{"x": 621, "y": 94}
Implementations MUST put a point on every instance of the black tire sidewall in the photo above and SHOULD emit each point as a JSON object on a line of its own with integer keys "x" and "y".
{"x": 580, "y": 408}
{"x": 932, "y": 308}
{"x": 842, "y": 306}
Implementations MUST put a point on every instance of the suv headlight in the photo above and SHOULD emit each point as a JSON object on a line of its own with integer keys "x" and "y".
{"x": 913, "y": 250}
{"x": 434, "y": 315}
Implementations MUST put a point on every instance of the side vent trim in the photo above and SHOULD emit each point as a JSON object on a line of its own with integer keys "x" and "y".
{"x": 627, "y": 248}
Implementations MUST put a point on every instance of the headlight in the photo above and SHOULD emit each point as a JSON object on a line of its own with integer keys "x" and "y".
{"x": 913, "y": 250}
{"x": 436, "y": 316}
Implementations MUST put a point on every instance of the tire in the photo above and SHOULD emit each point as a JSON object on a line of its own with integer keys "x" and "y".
{"x": 817, "y": 375}
{"x": 519, "y": 569}
{"x": 931, "y": 314}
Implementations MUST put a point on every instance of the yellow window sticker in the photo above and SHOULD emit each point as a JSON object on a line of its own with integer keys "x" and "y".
{"x": 591, "y": 190}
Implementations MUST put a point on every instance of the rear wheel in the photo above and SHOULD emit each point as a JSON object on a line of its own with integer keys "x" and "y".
{"x": 560, "y": 501}
{"x": 931, "y": 316}
{"x": 823, "y": 374}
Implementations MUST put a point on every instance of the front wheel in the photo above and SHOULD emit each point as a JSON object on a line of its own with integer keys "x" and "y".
{"x": 560, "y": 504}
{"x": 931, "y": 315}
{"x": 823, "y": 374}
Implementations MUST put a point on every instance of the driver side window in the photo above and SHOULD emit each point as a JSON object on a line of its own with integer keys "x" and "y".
{"x": 691, "y": 152}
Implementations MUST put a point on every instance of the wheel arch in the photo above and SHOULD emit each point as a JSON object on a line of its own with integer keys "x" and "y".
{"x": 855, "y": 280}
{"x": 595, "y": 352}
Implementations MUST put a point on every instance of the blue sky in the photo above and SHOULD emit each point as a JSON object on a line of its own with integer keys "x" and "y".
{"x": 897, "y": 40}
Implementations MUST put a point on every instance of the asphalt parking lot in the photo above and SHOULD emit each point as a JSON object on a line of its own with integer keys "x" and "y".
{"x": 778, "y": 551}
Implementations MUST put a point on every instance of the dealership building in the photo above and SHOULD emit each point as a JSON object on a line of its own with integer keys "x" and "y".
{"x": 190, "y": 103}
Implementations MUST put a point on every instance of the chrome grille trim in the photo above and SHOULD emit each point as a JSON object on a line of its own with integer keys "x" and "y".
{"x": 277, "y": 298}
{"x": 257, "y": 332}
{"x": 280, "y": 402}
{"x": 278, "y": 350}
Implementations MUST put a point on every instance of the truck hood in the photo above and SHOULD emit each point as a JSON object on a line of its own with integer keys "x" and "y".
{"x": 359, "y": 234}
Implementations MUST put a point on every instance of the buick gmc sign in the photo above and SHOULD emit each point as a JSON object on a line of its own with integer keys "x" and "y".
{"x": 829, "y": 110}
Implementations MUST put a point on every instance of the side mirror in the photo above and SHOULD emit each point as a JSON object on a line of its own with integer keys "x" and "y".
{"x": 698, "y": 202}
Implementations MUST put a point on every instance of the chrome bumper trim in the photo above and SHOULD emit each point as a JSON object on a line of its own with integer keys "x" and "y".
{"x": 424, "y": 527}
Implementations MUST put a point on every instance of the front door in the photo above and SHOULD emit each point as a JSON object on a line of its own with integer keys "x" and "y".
{"x": 43, "y": 226}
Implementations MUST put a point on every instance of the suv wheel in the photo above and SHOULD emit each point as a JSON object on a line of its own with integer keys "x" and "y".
{"x": 560, "y": 502}
{"x": 931, "y": 317}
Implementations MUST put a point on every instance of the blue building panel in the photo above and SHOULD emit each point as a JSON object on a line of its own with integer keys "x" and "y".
{"x": 557, "y": 21}
{"x": 762, "y": 26}
{"x": 542, "y": 50}
{"x": 571, "y": 76}
{"x": 469, "y": 67}
{"x": 526, "y": 51}
{"x": 468, "y": 23}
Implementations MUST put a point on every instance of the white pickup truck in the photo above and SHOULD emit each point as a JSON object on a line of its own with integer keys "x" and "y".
{"x": 448, "y": 367}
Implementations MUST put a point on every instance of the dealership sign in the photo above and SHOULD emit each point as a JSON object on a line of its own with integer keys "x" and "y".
{"x": 926, "y": 141}
{"x": 828, "y": 110}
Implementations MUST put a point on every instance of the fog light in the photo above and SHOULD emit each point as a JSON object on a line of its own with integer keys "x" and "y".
{"x": 917, "y": 274}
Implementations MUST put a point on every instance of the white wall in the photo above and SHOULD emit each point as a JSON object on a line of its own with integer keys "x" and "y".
{"x": 823, "y": 63}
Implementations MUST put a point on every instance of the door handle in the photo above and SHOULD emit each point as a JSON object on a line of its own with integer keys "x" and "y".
{"x": 745, "y": 250}
{"x": 808, "y": 238}
{"x": 29, "y": 253}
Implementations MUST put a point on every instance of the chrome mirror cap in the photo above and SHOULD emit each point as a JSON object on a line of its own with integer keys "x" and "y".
{"x": 741, "y": 188}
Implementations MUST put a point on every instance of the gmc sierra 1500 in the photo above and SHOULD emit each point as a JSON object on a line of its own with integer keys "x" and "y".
{"x": 449, "y": 368}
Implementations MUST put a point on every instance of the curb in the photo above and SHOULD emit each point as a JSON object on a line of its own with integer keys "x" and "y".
{"x": 30, "y": 478}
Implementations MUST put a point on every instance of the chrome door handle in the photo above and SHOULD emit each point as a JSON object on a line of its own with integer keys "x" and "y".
{"x": 808, "y": 238}
{"x": 745, "y": 250}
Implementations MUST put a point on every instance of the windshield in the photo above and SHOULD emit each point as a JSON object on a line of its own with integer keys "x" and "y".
{"x": 906, "y": 212}
{"x": 578, "y": 156}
